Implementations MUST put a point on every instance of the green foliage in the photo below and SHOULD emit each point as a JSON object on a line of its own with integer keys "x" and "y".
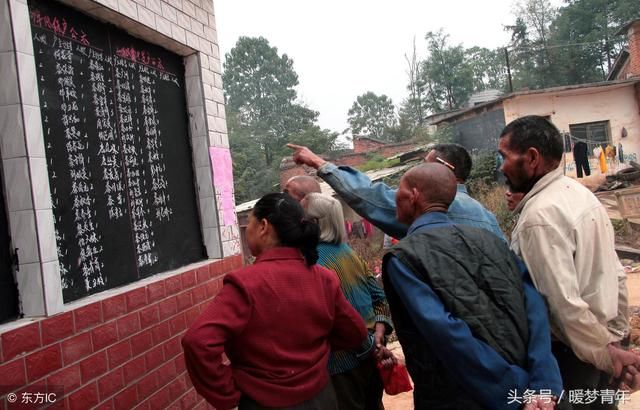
{"x": 569, "y": 45}
{"x": 444, "y": 134}
{"x": 446, "y": 77}
{"x": 260, "y": 90}
{"x": 484, "y": 168}
{"x": 372, "y": 116}
{"x": 263, "y": 115}
{"x": 378, "y": 162}
{"x": 492, "y": 196}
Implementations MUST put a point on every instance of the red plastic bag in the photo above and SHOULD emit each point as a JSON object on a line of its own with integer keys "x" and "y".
{"x": 395, "y": 379}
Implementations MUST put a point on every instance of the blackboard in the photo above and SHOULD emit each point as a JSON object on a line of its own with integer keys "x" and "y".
{"x": 9, "y": 305}
{"x": 118, "y": 153}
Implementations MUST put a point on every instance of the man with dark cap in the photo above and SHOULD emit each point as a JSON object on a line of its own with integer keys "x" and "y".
{"x": 565, "y": 237}
{"x": 376, "y": 201}
{"x": 473, "y": 329}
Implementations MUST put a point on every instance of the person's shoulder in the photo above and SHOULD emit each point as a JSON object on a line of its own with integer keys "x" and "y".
{"x": 325, "y": 275}
{"x": 248, "y": 276}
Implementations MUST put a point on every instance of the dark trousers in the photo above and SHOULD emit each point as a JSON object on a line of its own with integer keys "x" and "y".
{"x": 582, "y": 163}
{"x": 324, "y": 400}
{"x": 359, "y": 388}
{"x": 579, "y": 376}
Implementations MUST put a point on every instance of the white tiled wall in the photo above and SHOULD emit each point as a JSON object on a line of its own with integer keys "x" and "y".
{"x": 185, "y": 27}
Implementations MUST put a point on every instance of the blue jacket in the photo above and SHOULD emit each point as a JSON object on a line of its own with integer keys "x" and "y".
{"x": 483, "y": 374}
{"x": 377, "y": 202}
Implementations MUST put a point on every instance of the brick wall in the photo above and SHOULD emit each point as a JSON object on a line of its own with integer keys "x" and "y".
{"x": 120, "y": 352}
{"x": 634, "y": 50}
{"x": 359, "y": 158}
{"x": 364, "y": 145}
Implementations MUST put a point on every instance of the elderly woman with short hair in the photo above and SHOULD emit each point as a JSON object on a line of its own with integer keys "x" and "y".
{"x": 353, "y": 374}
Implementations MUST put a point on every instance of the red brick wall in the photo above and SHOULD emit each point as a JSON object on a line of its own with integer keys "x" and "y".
{"x": 352, "y": 160}
{"x": 117, "y": 353}
{"x": 365, "y": 145}
{"x": 357, "y": 159}
{"x": 634, "y": 50}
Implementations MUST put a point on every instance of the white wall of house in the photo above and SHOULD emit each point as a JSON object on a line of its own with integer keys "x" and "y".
{"x": 617, "y": 103}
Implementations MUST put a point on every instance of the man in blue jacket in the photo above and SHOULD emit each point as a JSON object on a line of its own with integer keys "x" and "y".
{"x": 473, "y": 328}
{"x": 376, "y": 201}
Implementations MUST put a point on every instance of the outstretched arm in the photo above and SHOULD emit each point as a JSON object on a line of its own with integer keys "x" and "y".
{"x": 374, "y": 201}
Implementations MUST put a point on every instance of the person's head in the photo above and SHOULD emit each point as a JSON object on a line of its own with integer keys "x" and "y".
{"x": 513, "y": 199}
{"x": 301, "y": 185}
{"x": 455, "y": 155}
{"x": 531, "y": 148}
{"x": 278, "y": 220}
{"x": 429, "y": 187}
{"x": 328, "y": 212}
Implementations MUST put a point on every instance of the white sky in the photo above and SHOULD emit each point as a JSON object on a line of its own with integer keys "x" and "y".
{"x": 343, "y": 48}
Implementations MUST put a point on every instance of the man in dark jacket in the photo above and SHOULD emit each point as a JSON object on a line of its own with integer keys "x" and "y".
{"x": 473, "y": 329}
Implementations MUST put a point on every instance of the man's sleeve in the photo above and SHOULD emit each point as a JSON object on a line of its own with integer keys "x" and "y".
{"x": 544, "y": 373}
{"x": 479, "y": 370}
{"x": 374, "y": 201}
{"x": 620, "y": 324}
{"x": 555, "y": 277}
{"x": 204, "y": 342}
{"x": 380, "y": 305}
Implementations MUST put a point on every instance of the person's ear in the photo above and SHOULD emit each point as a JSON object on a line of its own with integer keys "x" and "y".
{"x": 415, "y": 195}
{"x": 533, "y": 158}
{"x": 263, "y": 226}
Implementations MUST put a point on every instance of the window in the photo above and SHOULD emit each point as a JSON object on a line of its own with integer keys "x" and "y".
{"x": 593, "y": 133}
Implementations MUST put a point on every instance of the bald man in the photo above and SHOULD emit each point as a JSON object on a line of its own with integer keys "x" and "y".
{"x": 473, "y": 328}
{"x": 299, "y": 186}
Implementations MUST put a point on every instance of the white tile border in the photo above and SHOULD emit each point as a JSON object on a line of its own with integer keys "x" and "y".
{"x": 184, "y": 27}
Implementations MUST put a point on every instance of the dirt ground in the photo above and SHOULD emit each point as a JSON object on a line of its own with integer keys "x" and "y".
{"x": 404, "y": 401}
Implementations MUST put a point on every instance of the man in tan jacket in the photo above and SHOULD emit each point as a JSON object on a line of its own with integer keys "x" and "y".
{"x": 565, "y": 237}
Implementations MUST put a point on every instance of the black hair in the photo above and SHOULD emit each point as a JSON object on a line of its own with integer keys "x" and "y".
{"x": 533, "y": 131}
{"x": 287, "y": 217}
{"x": 456, "y": 155}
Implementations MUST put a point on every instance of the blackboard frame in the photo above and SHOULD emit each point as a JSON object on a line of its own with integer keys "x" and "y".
{"x": 207, "y": 125}
{"x": 131, "y": 72}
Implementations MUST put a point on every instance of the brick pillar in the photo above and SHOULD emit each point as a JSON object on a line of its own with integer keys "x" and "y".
{"x": 634, "y": 49}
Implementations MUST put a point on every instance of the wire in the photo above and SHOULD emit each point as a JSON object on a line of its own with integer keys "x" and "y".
{"x": 555, "y": 46}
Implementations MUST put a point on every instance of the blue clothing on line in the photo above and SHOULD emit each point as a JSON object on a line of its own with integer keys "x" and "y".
{"x": 482, "y": 373}
{"x": 377, "y": 202}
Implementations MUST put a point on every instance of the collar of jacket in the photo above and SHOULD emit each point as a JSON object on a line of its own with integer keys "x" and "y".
{"x": 539, "y": 186}
{"x": 279, "y": 253}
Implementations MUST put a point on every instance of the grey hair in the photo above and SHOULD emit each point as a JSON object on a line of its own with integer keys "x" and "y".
{"x": 328, "y": 211}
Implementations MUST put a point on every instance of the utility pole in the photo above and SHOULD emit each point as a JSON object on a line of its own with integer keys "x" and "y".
{"x": 506, "y": 57}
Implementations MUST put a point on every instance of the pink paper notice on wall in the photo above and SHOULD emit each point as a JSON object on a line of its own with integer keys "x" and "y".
{"x": 223, "y": 183}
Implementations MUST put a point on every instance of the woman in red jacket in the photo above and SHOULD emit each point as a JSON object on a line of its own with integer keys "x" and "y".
{"x": 276, "y": 320}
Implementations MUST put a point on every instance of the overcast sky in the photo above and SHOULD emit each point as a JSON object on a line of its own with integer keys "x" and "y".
{"x": 341, "y": 49}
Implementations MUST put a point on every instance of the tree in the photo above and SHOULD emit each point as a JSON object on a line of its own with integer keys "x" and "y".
{"x": 487, "y": 68}
{"x": 529, "y": 51}
{"x": 260, "y": 89}
{"x": 590, "y": 25}
{"x": 413, "y": 109}
{"x": 372, "y": 116}
{"x": 263, "y": 114}
{"x": 446, "y": 78}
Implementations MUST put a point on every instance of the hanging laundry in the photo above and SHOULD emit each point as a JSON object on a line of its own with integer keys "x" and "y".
{"x": 581, "y": 159}
{"x": 603, "y": 162}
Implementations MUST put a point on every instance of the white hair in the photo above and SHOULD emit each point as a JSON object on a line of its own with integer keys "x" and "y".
{"x": 328, "y": 211}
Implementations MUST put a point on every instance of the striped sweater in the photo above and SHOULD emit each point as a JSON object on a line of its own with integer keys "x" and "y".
{"x": 361, "y": 289}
